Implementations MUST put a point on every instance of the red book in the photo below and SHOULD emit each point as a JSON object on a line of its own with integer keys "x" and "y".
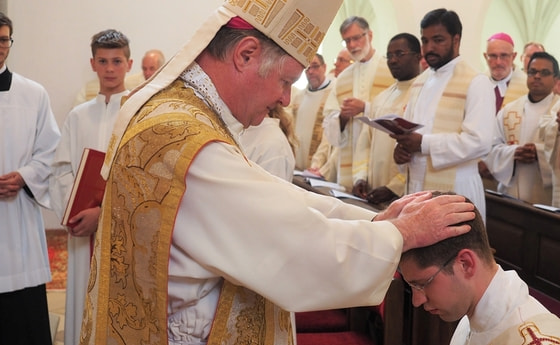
{"x": 88, "y": 187}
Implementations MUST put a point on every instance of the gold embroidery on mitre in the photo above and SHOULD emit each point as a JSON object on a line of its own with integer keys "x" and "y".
{"x": 298, "y": 34}
{"x": 533, "y": 336}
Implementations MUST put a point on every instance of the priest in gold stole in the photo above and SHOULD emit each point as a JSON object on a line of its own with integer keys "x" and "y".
{"x": 199, "y": 245}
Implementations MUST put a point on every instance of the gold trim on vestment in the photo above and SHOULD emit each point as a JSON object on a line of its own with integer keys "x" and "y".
{"x": 127, "y": 293}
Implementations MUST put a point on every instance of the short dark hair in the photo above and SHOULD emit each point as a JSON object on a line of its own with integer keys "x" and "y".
{"x": 5, "y": 20}
{"x": 445, "y": 17}
{"x": 436, "y": 255}
{"x": 110, "y": 39}
{"x": 360, "y": 21}
{"x": 547, "y": 56}
{"x": 412, "y": 41}
{"x": 321, "y": 58}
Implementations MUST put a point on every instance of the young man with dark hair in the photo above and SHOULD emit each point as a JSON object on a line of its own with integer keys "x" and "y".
{"x": 458, "y": 278}
{"x": 88, "y": 125}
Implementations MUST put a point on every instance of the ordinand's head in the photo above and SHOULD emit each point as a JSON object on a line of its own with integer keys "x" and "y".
{"x": 449, "y": 277}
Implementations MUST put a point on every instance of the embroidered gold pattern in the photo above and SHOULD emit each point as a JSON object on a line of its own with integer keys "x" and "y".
{"x": 298, "y": 31}
{"x": 146, "y": 183}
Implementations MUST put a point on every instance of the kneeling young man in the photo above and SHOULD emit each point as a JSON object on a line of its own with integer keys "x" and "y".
{"x": 458, "y": 278}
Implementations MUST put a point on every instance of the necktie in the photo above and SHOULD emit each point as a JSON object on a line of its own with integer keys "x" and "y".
{"x": 499, "y": 98}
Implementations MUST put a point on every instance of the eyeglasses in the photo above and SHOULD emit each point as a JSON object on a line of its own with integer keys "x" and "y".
{"x": 422, "y": 287}
{"x": 6, "y": 42}
{"x": 543, "y": 72}
{"x": 313, "y": 67}
{"x": 355, "y": 38}
{"x": 398, "y": 54}
{"x": 494, "y": 57}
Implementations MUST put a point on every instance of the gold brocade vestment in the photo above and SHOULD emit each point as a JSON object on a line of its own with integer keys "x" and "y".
{"x": 126, "y": 302}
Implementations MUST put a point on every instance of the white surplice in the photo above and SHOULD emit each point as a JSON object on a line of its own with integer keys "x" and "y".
{"x": 529, "y": 182}
{"x": 268, "y": 146}
{"x": 29, "y": 137}
{"x": 87, "y": 125}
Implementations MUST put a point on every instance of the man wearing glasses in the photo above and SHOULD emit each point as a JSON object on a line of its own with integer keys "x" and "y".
{"x": 29, "y": 138}
{"x": 458, "y": 278}
{"x": 307, "y": 109}
{"x": 517, "y": 159}
{"x": 354, "y": 88}
{"x": 376, "y": 175}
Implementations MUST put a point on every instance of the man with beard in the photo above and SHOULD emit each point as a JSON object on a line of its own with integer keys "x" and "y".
{"x": 376, "y": 176}
{"x": 455, "y": 104}
{"x": 352, "y": 92}
{"x": 517, "y": 159}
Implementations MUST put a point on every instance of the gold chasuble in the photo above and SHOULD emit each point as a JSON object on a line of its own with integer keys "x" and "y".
{"x": 126, "y": 302}
{"x": 449, "y": 117}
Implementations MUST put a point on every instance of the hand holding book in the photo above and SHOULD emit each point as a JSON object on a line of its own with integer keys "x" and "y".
{"x": 89, "y": 186}
{"x": 392, "y": 124}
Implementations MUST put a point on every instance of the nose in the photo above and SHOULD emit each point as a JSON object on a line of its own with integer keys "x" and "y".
{"x": 286, "y": 96}
{"x": 418, "y": 297}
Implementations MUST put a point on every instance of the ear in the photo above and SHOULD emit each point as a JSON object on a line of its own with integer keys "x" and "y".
{"x": 468, "y": 262}
{"x": 246, "y": 52}
{"x": 514, "y": 56}
{"x": 485, "y": 56}
{"x": 130, "y": 61}
{"x": 92, "y": 63}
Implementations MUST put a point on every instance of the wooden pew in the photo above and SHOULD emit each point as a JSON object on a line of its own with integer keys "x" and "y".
{"x": 526, "y": 239}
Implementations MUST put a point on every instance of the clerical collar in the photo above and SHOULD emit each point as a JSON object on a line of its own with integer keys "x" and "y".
{"x": 502, "y": 84}
{"x": 326, "y": 83}
{"x": 5, "y": 78}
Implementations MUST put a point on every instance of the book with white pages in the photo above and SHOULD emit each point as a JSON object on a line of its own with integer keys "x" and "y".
{"x": 321, "y": 183}
{"x": 339, "y": 194}
{"x": 391, "y": 123}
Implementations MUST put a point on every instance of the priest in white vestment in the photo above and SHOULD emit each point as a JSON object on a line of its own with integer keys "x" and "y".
{"x": 517, "y": 159}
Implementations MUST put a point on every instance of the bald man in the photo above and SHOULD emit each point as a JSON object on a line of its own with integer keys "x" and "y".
{"x": 151, "y": 62}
